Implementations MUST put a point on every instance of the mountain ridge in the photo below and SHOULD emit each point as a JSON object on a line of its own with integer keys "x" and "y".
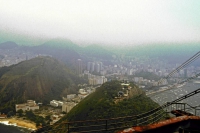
{"x": 41, "y": 79}
{"x": 67, "y": 51}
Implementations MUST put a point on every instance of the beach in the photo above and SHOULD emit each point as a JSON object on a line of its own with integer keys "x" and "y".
{"x": 19, "y": 122}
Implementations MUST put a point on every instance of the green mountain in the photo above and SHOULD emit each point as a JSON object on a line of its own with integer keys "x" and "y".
{"x": 105, "y": 103}
{"x": 41, "y": 79}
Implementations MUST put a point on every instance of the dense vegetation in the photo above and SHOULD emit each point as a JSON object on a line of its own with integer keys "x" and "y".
{"x": 39, "y": 120}
{"x": 104, "y": 104}
{"x": 41, "y": 79}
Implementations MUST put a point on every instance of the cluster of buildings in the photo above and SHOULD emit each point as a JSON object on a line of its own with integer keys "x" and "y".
{"x": 14, "y": 56}
{"x": 69, "y": 102}
{"x": 56, "y": 103}
{"x": 94, "y": 79}
{"x": 97, "y": 80}
{"x": 94, "y": 67}
{"x": 30, "y": 105}
{"x": 91, "y": 67}
{"x": 98, "y": 73}
{"x": 72, "y": 99}
{"x": 58, "y": 107}
{"x": 56, "y": 113}
{"x": 131, "y": 65}
{"x": 66, "y": 106}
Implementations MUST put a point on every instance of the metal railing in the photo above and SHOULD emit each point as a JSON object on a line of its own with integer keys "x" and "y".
{"x": 107, "y": 125}
{"x": 114, "y": 124}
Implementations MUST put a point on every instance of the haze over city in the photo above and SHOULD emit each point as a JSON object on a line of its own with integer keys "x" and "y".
{"x": 99, "y": 66}
{"x": 113, "y": 22}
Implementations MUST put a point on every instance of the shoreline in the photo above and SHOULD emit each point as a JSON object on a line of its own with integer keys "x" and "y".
{"x": 19, "y": 123}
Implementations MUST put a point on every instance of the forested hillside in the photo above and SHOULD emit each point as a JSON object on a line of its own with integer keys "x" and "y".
{"x": 41, "y": 79}
{"x": 106, "y": 103}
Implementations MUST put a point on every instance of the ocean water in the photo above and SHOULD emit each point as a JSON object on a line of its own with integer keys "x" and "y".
{"x": 173, "y": 94}
{"x": 12, "y": 129}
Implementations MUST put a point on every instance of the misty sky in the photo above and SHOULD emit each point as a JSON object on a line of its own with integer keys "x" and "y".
{"x": 120, "y": 22}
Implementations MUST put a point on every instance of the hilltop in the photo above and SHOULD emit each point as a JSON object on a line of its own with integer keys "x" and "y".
{"x": 105, "y": 103}
{"x": 41, "y": 79}
{"x": 112, "y": 99}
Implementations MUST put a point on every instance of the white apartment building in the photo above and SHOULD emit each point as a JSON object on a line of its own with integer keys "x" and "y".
{"x": 71, "y": 96}
{"x": 30, "y": 105}
{"x": 97, "y": 80}
{"x": 67, "y": 106}
{"x": 56, "y": 103}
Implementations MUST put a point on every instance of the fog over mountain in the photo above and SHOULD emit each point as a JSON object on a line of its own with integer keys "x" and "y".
{"x": 121, "y": 23}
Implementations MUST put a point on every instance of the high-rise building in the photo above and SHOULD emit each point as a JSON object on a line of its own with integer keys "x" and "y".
{"x": 101, "y": 66}
{"x": 67, "y": 106}
{"x": 92, "y": 66}
{"x": 79, "y": 67}
{"x": 88, "y": 66}
{"x": 97, "y": 67}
